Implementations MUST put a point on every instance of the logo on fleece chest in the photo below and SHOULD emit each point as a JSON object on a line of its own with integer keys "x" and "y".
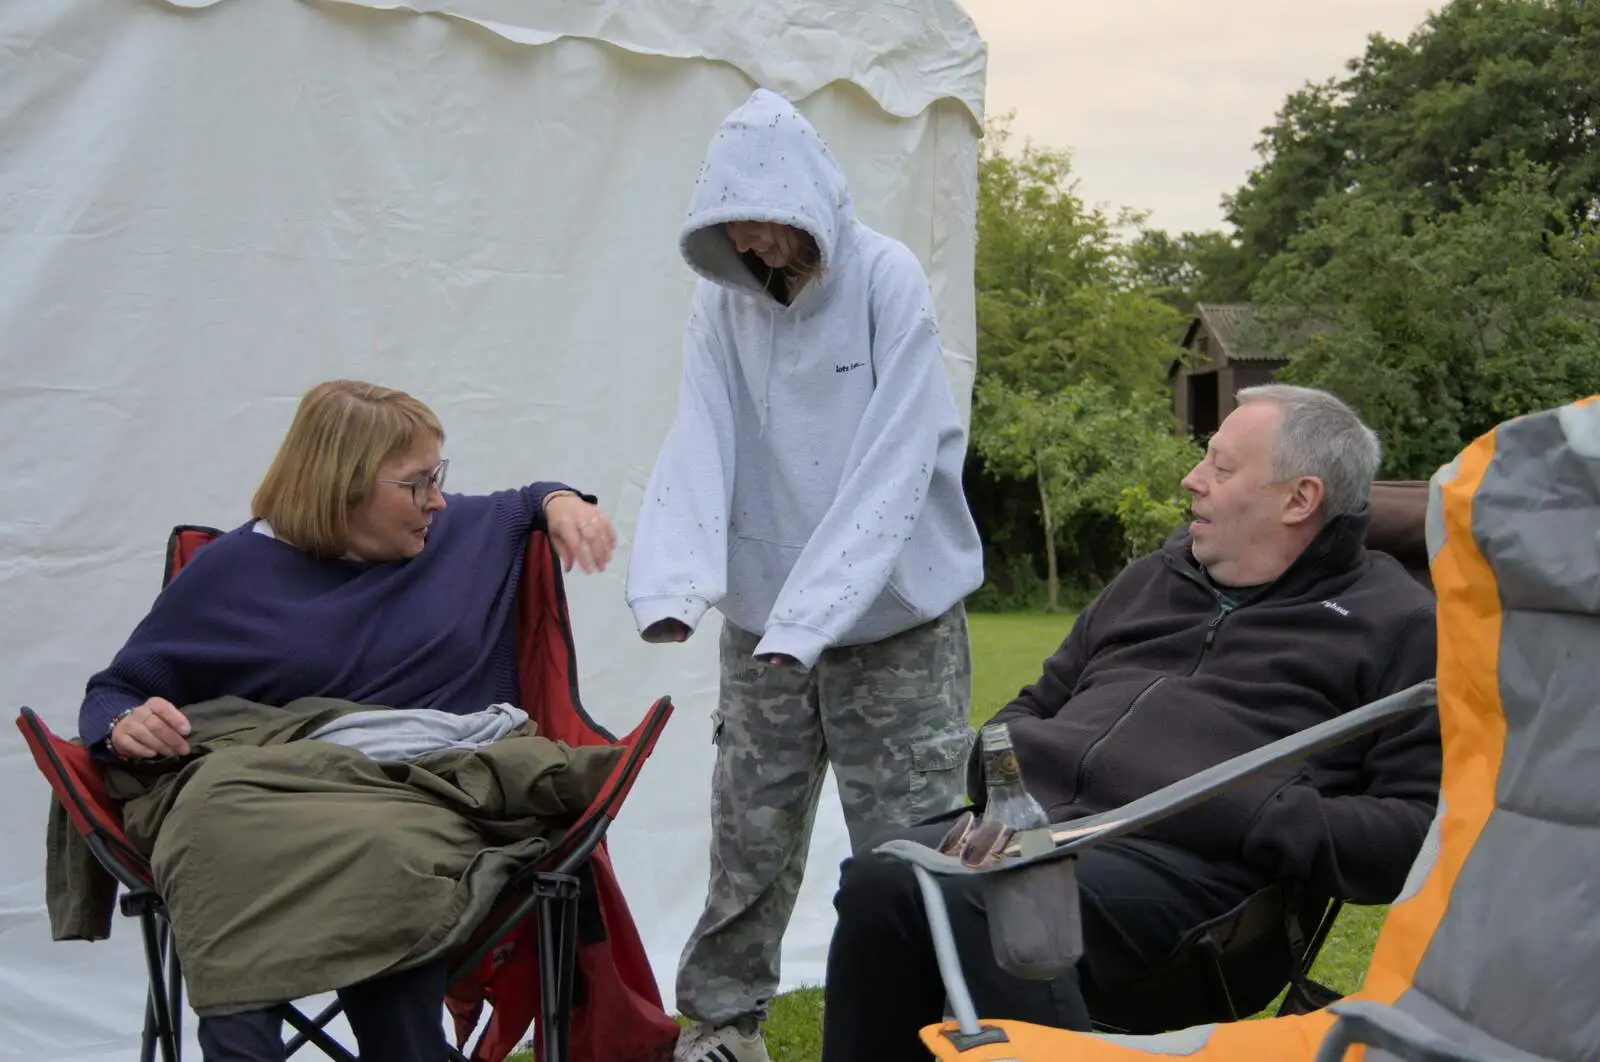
{"x": 823, "y": 387}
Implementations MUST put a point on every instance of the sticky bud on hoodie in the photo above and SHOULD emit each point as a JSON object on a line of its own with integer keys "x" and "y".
{"x": 810, "y": 486}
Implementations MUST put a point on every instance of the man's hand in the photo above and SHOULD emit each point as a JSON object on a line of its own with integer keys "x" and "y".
{"x": 155, "y": 728}
{"x": 666, "y": 630}
{"x": 580, "y": 532}
{"x": 781, "y": 660}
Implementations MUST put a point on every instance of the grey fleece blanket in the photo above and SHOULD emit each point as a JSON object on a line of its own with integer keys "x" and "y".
{"x": 405, "y": 734}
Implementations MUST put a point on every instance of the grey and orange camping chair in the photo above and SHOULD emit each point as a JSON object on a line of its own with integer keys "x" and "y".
{"x": 559, "y": 950}
{"x": 1490, "y": 952}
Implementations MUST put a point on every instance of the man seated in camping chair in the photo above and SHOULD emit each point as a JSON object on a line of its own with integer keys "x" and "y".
{"x": 1266, "y": 616}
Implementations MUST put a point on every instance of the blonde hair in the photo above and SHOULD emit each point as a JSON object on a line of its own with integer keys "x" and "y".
{"x": 807, "y": 263}
{"x": 328, "y": 463}
{"x": 804, "y": 268}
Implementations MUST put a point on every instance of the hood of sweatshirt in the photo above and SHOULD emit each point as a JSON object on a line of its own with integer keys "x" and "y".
{"x": 766, "y": 163}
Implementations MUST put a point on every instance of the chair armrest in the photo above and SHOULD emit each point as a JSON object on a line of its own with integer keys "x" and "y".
{"x": 1398, "y": 1033}
{"x": 1073, "y": 837}
{"x": 1085, "y": 833}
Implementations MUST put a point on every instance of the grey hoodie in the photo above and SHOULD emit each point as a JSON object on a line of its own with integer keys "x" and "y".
{"x": 810, "y": 486}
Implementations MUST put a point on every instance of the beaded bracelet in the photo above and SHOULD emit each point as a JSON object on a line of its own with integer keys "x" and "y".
{"x": 119, "y": 717}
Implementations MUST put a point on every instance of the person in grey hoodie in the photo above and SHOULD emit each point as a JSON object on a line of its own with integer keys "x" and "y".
{"x": 810, "y": 490}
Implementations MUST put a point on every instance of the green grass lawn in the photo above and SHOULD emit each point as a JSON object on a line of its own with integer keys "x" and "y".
{"x": 1007, "y": 651}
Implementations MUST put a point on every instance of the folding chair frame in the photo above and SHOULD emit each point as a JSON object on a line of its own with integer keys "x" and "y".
{"x": 1364, "y": 1022}
{"x": 552, "y": 890}
{"x": 548, "y": 889}
{"x": 1095, "y": 830}
{"x": 1306, "y": 995}
{"x": 1203, "y": 967}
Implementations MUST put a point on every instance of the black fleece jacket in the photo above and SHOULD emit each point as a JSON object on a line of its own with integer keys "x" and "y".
{"x": 1159, "y": 679}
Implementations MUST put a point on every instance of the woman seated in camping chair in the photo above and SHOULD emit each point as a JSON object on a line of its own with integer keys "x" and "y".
{"x": 291, "y": 866}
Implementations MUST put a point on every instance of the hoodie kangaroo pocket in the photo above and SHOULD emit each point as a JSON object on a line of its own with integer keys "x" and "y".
{"x": 757, "y": 570}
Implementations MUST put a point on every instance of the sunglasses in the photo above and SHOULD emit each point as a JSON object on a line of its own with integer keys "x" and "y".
{"x": 975, "y": 842}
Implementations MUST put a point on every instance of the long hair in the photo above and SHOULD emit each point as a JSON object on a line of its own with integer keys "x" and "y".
{"x": 327, "y": 464}
{"x": 783, "y": 284}
{"x": 806, "y": 264}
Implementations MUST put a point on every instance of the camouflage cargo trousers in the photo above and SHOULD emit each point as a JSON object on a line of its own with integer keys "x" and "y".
{"x": 891, "y": 720}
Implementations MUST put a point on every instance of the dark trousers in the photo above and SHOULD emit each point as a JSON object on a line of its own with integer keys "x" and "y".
{"x": 1137, "y": 897}
{"x": 398, "y": 1018}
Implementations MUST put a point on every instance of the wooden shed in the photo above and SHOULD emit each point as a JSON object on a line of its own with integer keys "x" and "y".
{"x": 1220, "y": 362}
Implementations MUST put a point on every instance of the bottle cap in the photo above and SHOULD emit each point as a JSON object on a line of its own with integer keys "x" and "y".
{"x": 995, "y": 736}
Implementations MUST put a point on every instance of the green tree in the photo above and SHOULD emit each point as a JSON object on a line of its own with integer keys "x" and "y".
{"x": 1307, "y": 154}
{"x": 1058, "y": 297}
{"x": 1088, "y": 449}
{"x": 1190, "y": 268}
{"x": 1441, "y": 116}
{"x": 1439, "y": 325}
{"x": 1073, "y": 350}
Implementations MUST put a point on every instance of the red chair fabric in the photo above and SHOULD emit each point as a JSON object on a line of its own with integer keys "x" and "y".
{"x": 617, "y": 1016}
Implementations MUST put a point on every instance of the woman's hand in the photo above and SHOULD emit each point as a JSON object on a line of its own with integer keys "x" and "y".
{"x": 581, "y": 532}
{"x": 155, "y": 728}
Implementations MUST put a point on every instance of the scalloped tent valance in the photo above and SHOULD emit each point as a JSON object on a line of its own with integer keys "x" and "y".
{"x": 905, "y": 54}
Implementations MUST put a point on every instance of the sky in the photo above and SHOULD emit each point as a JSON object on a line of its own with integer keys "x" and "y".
{"x": 1161, "y": 102}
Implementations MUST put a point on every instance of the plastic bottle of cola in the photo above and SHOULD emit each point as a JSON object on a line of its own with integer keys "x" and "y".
{"x": 1009, "y": 801}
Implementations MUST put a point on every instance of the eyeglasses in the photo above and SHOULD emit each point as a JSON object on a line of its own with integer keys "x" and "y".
{"x": 422, "y": 486}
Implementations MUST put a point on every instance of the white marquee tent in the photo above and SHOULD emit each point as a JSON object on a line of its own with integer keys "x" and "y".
{"x": 207, "y": 206}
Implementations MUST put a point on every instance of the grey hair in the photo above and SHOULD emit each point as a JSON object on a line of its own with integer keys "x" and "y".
{"x": 1321, "y": 436}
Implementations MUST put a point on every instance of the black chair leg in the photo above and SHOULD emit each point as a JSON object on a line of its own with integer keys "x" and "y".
{"x": 158, "y": 1007}
{"x": 300, "y": 1039}
{"x": 169, "y": 942}
{"x": 310, "y": 1030}
{"x": 568, "y": 959}
{"x": 549, "y": 991}
{"x": 558, "y": 940}
{"x": 1222, "y": 995}
{"x": 147, "y": 1044}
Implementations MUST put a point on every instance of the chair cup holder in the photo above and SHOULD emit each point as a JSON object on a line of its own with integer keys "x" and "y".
{"x": 1035, "y": 927}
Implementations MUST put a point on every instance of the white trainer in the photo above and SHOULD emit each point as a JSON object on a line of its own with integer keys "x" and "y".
{"x": 699, "y": 1042}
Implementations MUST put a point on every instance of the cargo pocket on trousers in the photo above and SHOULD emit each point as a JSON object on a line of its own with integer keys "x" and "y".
{"x": 939, "y": 773}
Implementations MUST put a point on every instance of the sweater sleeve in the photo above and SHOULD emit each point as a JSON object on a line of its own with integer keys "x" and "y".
{"x": 846, "y": 564}
{"x": 678, "y": 566}
{"x": 162, "y": 657}
{"x": 528, "y": 516}
{"x": 1360, "y": 846}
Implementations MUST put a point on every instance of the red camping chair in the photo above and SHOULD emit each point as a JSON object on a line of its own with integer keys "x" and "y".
{"x": 562, "y": 923}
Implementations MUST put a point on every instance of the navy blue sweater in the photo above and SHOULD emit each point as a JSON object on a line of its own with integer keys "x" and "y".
{"x": 253, "y": 617}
